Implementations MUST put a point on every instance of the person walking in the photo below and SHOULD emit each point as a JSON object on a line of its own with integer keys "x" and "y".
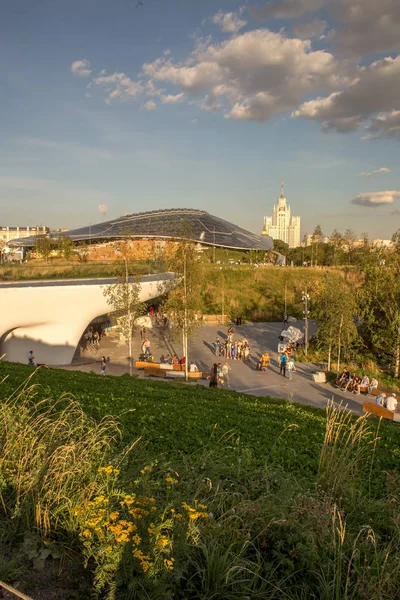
{"x": 103, "y": 365}
{"x": 225, "y": 373}
{"x": 214, "y": 375}
{"x": 283, "y": 362}
{"x": 291, "y": 367}
{"x": 31, "y": 358}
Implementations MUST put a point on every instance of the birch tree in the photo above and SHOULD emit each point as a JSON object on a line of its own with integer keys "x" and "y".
{"x": 335, "y": 309}
{"x": 184, "y": 297}
{"x": 124, "y": 299}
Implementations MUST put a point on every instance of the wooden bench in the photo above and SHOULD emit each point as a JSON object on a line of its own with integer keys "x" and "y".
{"x": 215, "y": 319}
{"x": 142, "y": 364}
{"x": 155, "y": 372}
{"x": 170, "y": 373}
{"x": 380, "y": 411}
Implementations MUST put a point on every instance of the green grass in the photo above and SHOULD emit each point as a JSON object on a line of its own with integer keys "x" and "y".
{"x": 175, "y": 418}
{"x": 300, "y": 502}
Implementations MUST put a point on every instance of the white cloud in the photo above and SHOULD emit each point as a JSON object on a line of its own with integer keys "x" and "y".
{"x": 150, "y": 105}
{"x": 310, "y": 29}
{"x": 81, "y": 68}
{"x": 286, "y": 9}
{"x": 372, "y": 199}
{"x": 173, "y": 99}
{"x": 229, "y": 22}
{"x": 375, "y": 88}
{"x": 384, "y": 125}
{"x": 367, "y": 27}
{"x": 102, "y": 208}
{"x": 253, "y": 75}
{"x": 119, "y": 86}
{"x": 375, "y": 172}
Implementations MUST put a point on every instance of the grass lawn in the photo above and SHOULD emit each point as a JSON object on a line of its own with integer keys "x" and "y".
{"x": 225, "y": 496}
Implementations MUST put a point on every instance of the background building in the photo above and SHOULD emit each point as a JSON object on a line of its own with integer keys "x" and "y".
{"x": 281, "y": 226}
{"x": 157, "y": 231}
{"x": 13, "y": 233}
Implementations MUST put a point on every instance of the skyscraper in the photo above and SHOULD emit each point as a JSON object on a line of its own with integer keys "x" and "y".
{"x": 280, "y": 226}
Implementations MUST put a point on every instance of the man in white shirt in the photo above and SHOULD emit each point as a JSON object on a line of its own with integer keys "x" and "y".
{"x": 373, "y": 385}
{"x": 391, "y": 402}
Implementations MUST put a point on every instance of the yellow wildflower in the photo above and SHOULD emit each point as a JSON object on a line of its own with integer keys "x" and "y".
{"x": 171, "y": 480}
{"x": 114, "y": 516}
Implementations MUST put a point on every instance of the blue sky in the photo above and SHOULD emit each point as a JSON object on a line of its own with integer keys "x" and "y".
{"x": 181, "y": 103}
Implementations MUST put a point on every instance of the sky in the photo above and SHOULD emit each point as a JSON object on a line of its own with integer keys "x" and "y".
{"x": 111, "y": 107}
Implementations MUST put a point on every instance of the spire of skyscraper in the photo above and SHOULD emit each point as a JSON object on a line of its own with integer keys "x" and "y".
{"x": 282, "y": 196}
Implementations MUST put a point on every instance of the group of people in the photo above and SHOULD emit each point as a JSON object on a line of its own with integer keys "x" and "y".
{"x": 94, "y": 334}
{"x": 219, "y": 374}
{"x": 230, "y": 349}
{"x": 286, "y": 364}
{"x": 351, "y": 382}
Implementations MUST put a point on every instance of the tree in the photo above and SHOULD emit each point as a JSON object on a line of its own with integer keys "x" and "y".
{"x": 124, "y": 298}
{"x": 379, "y": 298}
{"x": 350, "y": 243}
{"x": 184, "y": 299}
{"x": 82, "y": 252}
{"x": 334, "y": 311}
{"x": 44, "y": 246}
{"x": 66, "y": 246}
{"x": 316, "y": 240}
{"x": 281, "y": 247}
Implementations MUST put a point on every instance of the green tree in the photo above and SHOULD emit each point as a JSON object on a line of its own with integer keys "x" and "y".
{"x": 316, "y": 241}
{"x": 334, "y": 310}
{"x": 82, "y": 252}
{"x": 184, "y": 296}
{"x": 124, "y": 299}
{"x": 281, "y": 247}
{"x": 44, "y": 245}
{"x": 379, "y": 298}
{"x": 66, "y": 246}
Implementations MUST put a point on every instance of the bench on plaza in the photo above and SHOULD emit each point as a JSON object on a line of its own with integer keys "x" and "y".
{"x": 142, "y": 364}
{"x": 380, "y": 411}
{"x": 155, "y": 372}
{"x": 319, "y": 377}
{"x": 215, "y": 318}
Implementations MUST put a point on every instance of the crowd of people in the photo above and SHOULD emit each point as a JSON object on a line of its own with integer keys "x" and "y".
{"x": 231, "y": 349}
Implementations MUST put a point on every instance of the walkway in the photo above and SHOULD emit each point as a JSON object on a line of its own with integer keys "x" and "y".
{"x": 243, "y": 377}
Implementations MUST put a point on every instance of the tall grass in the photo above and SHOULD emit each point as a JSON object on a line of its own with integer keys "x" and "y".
{"x": 50, "y": 453}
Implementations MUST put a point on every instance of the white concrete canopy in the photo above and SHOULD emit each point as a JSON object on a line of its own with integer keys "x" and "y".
{"x": 49, "y": 317}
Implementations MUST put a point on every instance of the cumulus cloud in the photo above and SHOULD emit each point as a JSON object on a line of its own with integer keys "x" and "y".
{"x": 310, "y": 29}
{"x": 375, "y": 88}
{"x": 81, "y": 68}
{"x": 118, "y": 86}
{"x": 229, "y": 22}
{"x": 375, "y": 172}
{"x": 286, "y": 9}
{"x": 367, "y": 27}
{"x": 173, "y": 98}
{"x": 372, "y": 199}
{"x": 253, "y": 75}
{"x": 102, "y": 208}
{"x": 150, "y": 105}
{"x": 384, "y": 125}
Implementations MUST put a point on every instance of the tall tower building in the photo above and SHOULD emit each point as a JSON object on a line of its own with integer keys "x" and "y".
{"x": 281, "y": 226}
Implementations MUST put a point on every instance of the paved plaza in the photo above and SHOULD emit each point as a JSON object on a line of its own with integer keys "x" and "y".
{"x": 243, "y": 376}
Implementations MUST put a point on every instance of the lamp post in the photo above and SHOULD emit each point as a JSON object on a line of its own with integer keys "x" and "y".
{"x": 305, "y": 297}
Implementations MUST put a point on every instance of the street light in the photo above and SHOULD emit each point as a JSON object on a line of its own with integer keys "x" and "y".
{"x": 305, "y": 297}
